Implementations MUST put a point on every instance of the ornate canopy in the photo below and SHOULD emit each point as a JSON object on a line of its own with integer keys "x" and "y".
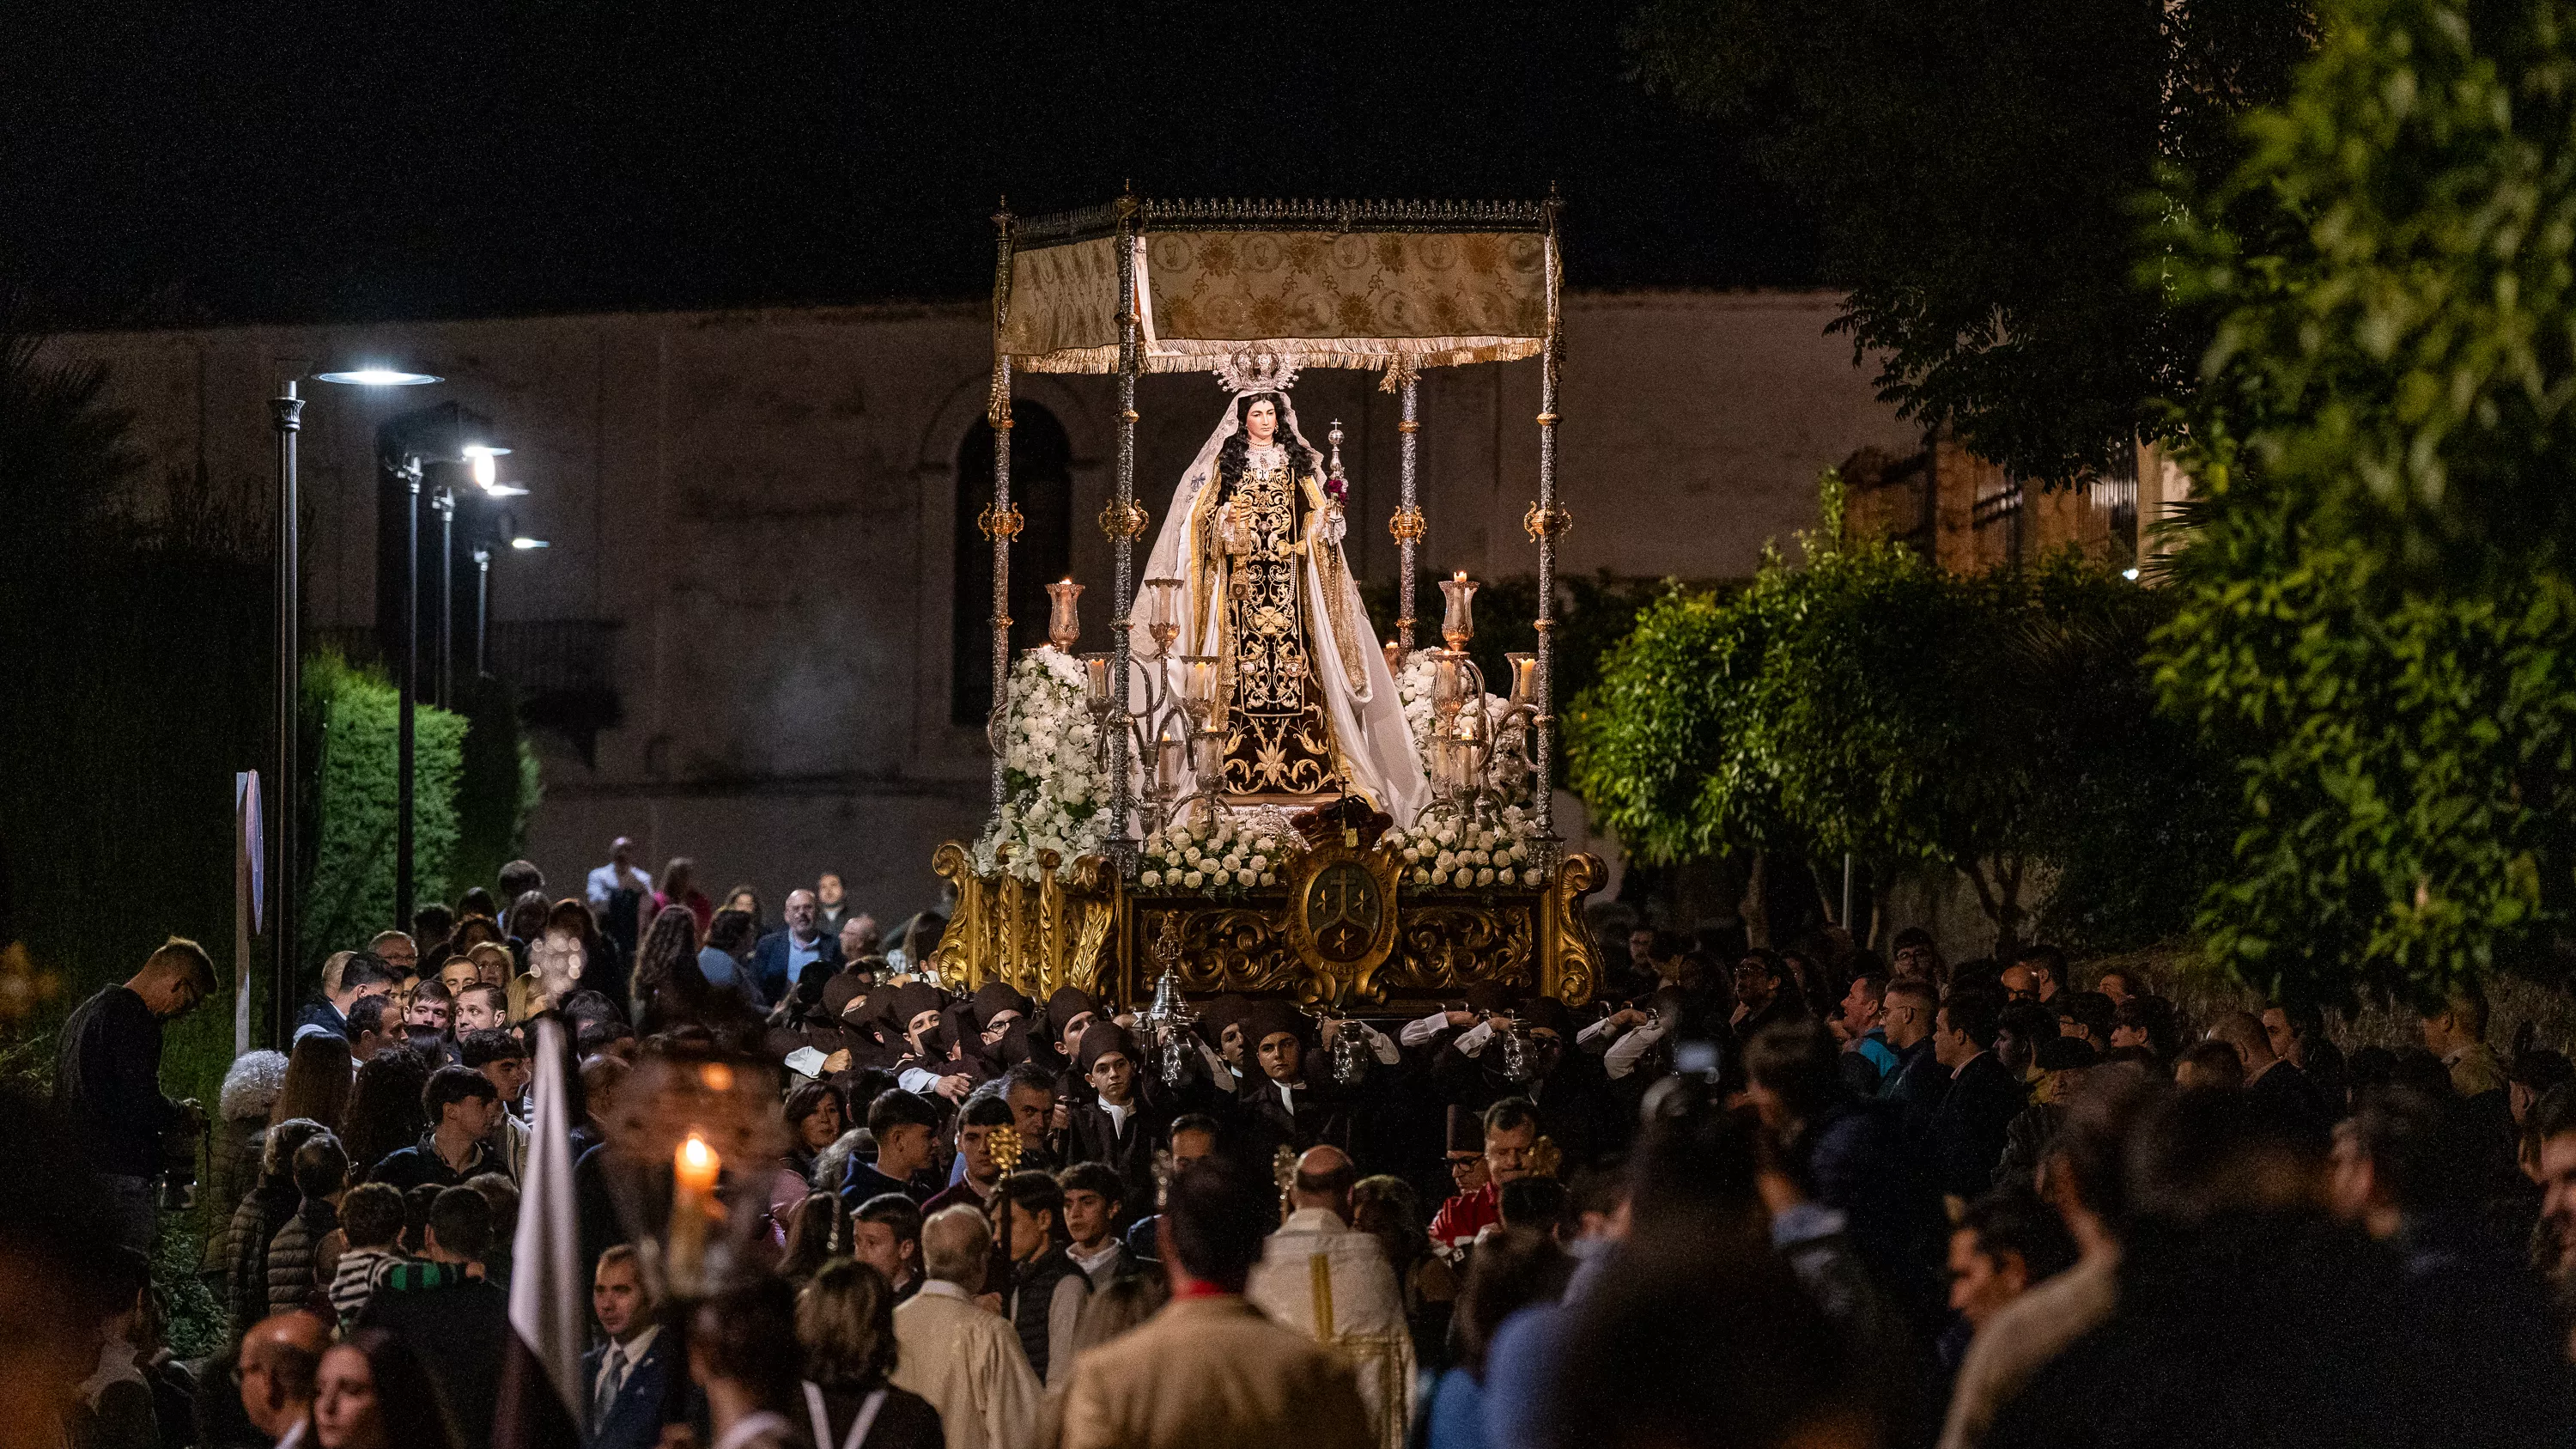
{"x": 1366, "y": 284}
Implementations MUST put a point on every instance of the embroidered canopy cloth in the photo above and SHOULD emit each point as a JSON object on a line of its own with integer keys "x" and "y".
{"x": 1314, "y": 284}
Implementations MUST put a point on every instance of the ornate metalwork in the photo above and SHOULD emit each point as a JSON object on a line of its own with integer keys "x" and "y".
{"x": 1001, "y": 519}
{"x": 1547, "y": 522}
{"x": 1128, "y": 523}
{"x": 1037, "y": 938}
{"x": 1407, "y": 526}
{"x": 1323, "y": 938}
{"x": 1341, "y": 920}
{"x": 1122, "y": 547}
{"x": 1001, "y": 522}
{"x": 1551, "y": 357}
{"x": 1259, "y": 214}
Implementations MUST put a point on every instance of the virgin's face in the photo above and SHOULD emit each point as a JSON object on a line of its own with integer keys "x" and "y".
{"x": 344, "y": 1406}
{"x": 1261, "y": 421}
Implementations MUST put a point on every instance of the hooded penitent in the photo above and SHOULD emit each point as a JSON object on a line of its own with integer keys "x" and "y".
{"x": 1102, "y": 1038}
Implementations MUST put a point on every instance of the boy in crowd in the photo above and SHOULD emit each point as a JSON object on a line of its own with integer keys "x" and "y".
{"x": 371, "y": 1218}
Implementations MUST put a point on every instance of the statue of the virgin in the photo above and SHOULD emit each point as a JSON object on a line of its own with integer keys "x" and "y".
{"x": 1255, "y": 534}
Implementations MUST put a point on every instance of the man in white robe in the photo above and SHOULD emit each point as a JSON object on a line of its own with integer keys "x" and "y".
{"x": 1322, "y": 1278}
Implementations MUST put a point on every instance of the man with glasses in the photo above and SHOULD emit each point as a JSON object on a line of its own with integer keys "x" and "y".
{"x": 107, "y": 1080}
{"x": 1483, "y": 1156}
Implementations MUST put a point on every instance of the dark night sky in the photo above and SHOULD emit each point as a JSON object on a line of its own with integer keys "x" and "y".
{"x": 233, "y": 162}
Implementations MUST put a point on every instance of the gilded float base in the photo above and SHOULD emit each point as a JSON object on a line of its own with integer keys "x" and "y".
{"x": 1336, "y": 932}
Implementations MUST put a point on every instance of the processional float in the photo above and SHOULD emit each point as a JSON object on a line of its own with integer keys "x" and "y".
{"x": 1382, "y": 836}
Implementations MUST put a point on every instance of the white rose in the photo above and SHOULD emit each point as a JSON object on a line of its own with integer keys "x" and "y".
{"x": 1411, "y": 855}
{"x": 1269, "y": 878}
{"x": 1194, "y": 880}
{"x": 1439, "y": 877}
{"x": 1485, "y": 877}
{"x": 1245, "y": 877}
{"x": 1421, "y": 876}
{"x": 1260, "y": 862}
{"x": 1446, "y": 860}
{"x": 1150, "y": 879}
{"x": 1533, "y": 877}
{"x": 1191, "y": 855}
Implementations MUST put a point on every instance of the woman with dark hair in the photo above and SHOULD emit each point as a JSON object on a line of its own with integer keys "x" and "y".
{"x": 526, "y": 923}
{"x": 680, "y": 888}
{"x": 317, "y": 1079}
{"x": 373, "y": 1392}
{"x": 814, "y": 1122}
{"x": 724, "y": 959}
{"x": 746, "y": 899}
{"x": 668, "y": 987}
{"x": 816, "y": 1230}
{"x": 475, "y": 902}
{"x": 1388, "y": 1209}
{"x": 845, "y": 1322}
{"x": 384, "y": 1113}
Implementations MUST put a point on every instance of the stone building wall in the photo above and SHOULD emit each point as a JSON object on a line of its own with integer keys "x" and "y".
{"x": 754, "y": 517}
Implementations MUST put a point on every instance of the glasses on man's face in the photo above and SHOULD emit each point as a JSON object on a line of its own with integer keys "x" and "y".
{"x": 1466, "y": 1163}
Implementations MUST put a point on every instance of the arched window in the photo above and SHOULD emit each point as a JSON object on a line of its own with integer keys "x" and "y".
{"x": 1042, "y": 487}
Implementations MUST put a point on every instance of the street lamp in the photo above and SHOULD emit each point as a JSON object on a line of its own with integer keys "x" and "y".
{"x": 286, "y": 416}
{"x": 446, "y": 433}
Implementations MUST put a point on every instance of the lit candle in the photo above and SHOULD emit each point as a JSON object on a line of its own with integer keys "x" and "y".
{"x": 1460, "y": 625}
{"x": 1524, "y": 679}
{"x": 694, "y": 1169}
{"x": 1064, "y": 624}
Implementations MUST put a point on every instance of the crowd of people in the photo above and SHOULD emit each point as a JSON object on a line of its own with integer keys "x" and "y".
{"x": 1747, "y": 1197}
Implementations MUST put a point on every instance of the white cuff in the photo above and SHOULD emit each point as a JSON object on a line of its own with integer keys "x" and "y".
{"x": 1472, "y": 1041}
{"x": 1416, "y": 1033}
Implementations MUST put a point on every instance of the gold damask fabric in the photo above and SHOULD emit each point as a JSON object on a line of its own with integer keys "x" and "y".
{"x": 1314, "y": 298}
{"x": 1278, "y": 741}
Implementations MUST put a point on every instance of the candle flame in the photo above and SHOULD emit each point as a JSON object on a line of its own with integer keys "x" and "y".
{"x": 697, "y": 1153}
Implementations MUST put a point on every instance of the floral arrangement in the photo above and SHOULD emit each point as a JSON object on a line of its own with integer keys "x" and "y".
{"x": 1222, "y": 858}
{"x": 1444, "y": 850}
{"x": 1413, "y": 691}
{"x": 1055, "y": 794}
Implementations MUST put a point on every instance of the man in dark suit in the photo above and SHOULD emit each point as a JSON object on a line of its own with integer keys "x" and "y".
{"x": 625, "y": 1376}
{"x": 454, "y": 1319}
{"x": 1976, "y": 1113}
{"x": 783, "y": 953}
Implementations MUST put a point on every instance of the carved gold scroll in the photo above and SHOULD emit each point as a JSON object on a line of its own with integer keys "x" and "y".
{"x": 1338, "y": 933}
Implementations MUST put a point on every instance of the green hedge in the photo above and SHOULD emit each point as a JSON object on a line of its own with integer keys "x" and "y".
{"x": 349, "y": 896}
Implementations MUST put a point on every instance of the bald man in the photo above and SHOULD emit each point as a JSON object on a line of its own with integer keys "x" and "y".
{"x": 2272, "y": 1081}
{"x": 783, "y": 954}
{"x": 1354, "y": 1303}
{"x": 278, "y": 1359}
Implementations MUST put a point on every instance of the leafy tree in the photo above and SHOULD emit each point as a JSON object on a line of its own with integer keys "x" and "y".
{"x": 1974, "y": 165}
{"x": 2375, "y": 612}
{"x": 1870, "y": 702}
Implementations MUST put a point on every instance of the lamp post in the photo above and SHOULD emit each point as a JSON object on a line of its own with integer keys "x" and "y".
{"x": 286, "y": 412}
{"x": 284, "y": 814}
{"x": 443, "y": 501}
{"x": 405, "y": 445}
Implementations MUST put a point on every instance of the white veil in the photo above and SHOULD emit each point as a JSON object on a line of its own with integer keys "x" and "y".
{"x": 1367, "y": 720}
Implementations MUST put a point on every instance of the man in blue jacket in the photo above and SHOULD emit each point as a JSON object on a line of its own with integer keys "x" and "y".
{"x": 625, "y": 1376}
{"x": 783, "y": 953}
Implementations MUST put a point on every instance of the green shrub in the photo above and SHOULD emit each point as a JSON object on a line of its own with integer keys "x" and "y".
{"x": 349, "y": 893}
